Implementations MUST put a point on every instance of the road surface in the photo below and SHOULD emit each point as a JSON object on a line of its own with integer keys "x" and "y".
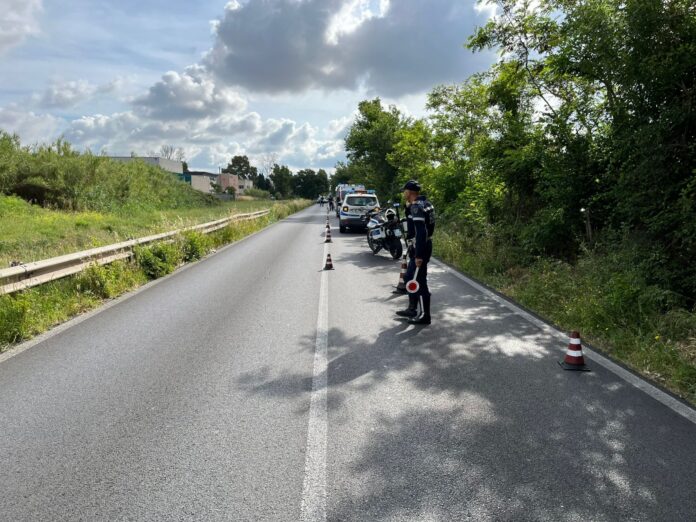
{"x": 253, "y": 386}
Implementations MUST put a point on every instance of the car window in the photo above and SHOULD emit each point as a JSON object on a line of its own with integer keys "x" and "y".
{"x": 361, "y": 201}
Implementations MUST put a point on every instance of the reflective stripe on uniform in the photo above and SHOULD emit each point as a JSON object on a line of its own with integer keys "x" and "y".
{"x": 418, "y": 219}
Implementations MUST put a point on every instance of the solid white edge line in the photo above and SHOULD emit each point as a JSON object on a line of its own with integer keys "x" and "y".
{"x": 654, "y": 392}
{"x": 314, "y": 487}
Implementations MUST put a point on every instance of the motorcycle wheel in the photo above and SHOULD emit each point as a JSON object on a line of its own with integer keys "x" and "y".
{"x": 395, "y": 248}
{"x": 372, "y": 244}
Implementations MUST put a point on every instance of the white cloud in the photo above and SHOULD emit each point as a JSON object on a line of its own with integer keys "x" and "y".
{"x": 338, "y": 128}
{"x": 351, "y": 16}
{"x": 189, "y": 95}
{"x": 18, "y": 20}
{"x": 208, "y": 141}
{"x": 31, "y": 127}
{"x": 68, "y": 94}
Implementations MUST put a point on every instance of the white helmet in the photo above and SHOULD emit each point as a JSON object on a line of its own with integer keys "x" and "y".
{"x": 390, "y": 214}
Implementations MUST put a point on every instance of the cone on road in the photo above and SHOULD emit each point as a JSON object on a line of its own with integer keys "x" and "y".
{"x": 574, "y": 359}
{"x": 329, "y": 263}
{"x": 401, "y": 287}
{"x": 328, "y": 235}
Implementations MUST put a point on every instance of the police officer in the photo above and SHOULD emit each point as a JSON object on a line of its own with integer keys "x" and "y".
{"x": 420, "y": 215}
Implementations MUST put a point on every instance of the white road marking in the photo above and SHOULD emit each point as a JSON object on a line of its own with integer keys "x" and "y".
{"x": 314, "y": 489}
{"x": 643, "y": 385}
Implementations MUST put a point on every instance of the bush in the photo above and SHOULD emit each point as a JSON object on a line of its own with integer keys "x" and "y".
{"x": 257, "y": 193}
{"x": 195, "y": 245}
{"x": 158, "y": 260}
{"x": 57, "y": 176}
{"x": 108, "y": 281}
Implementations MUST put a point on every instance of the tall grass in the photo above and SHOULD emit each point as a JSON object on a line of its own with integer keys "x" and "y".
{"x": 605, "y": 294}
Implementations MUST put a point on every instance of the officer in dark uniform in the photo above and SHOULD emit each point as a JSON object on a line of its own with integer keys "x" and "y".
{"x": 420, "y": 216}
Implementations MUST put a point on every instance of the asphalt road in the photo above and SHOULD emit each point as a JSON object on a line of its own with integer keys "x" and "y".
{"x": 210, "y": 396}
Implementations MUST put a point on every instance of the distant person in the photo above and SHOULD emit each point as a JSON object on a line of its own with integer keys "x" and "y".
{"x": 321, "y": 201}
{"x": 421, "y": 226}
{"x": 331, "y": 203}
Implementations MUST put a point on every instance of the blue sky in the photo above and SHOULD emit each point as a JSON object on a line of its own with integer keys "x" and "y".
{"x": 277, "y": 78}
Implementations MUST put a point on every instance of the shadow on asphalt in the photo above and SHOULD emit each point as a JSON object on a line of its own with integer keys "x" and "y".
{"x": 496, "y": 451}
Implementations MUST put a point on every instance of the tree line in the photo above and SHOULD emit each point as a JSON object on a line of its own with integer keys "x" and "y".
{"x": 278, "y": 180}
{"x": 581, "y": 135}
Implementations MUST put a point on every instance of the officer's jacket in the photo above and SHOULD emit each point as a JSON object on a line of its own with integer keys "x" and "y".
{"x": 422, "y": 214}
{"x": 410, "y": 229}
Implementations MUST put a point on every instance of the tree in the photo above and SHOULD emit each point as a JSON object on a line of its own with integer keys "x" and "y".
{"x": 281, "y": 176}
{"x": 309, "y": 184}
{"x": 240, "y": 166}
{"x": 617, "y": 85}
{"x": 172, "y": 153}
{"x": 369, "y": 142}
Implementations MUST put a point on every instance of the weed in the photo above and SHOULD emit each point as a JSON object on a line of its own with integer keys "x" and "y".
{"x": 194, "y": 245}
{"x": 158, "y": 260}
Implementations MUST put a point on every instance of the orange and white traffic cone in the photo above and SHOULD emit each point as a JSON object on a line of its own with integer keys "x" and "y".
{"x": 574, "y": 359}
{"x": 329, "y": 263}
{"x": 328, "y": 235}
{"x": 401, "y": 287}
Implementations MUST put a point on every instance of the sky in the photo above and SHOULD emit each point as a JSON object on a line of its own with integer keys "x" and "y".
{"x": 265, "y": 78}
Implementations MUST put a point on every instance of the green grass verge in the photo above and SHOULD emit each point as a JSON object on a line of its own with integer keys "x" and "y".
{"x": 31, "y": 312}
{"x": 603, "y": 295}
{"x": 30, "y": 232}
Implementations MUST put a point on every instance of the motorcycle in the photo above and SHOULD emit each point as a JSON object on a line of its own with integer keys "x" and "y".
{"x": 385, "y": 230}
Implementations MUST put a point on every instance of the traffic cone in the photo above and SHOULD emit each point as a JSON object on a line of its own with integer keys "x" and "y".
{"x": 328, "y": 235}
{"x": 401, "y": 287}
{"x": 574, "y": 359}
{"x": 329, "y": 263}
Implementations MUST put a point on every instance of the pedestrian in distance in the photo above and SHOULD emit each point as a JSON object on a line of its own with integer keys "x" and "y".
{"x": 420, "y": 215}
{"x": 331, "y": 203}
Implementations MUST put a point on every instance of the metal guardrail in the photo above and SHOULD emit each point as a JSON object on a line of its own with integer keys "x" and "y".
{"x": 27, "y": 275}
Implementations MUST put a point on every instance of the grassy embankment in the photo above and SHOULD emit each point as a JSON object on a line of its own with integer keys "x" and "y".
{"x": 603, "y": 295}
{"x": 82, "y": 201}
{"x": 30, "y": 232}
{"x": 31, "y": 312}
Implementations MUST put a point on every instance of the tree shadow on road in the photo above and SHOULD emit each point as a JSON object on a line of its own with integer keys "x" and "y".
{"x": 472, "y": 419}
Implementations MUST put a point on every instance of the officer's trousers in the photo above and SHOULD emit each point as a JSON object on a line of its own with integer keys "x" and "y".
{"x": 422, "y": 297}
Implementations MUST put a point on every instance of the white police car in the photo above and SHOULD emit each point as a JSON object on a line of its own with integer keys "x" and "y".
{"x": 354, "y": 208}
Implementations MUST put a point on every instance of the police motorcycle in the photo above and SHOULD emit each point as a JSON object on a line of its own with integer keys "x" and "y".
{"x": 385, "y": 230}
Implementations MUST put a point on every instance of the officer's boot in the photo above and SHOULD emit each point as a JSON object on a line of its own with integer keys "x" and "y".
{"x": 412, "y": 310}
{"x": 424, "y": 316}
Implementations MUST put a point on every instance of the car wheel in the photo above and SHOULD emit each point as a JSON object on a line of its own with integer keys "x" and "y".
{"x": 342, "y": 229}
